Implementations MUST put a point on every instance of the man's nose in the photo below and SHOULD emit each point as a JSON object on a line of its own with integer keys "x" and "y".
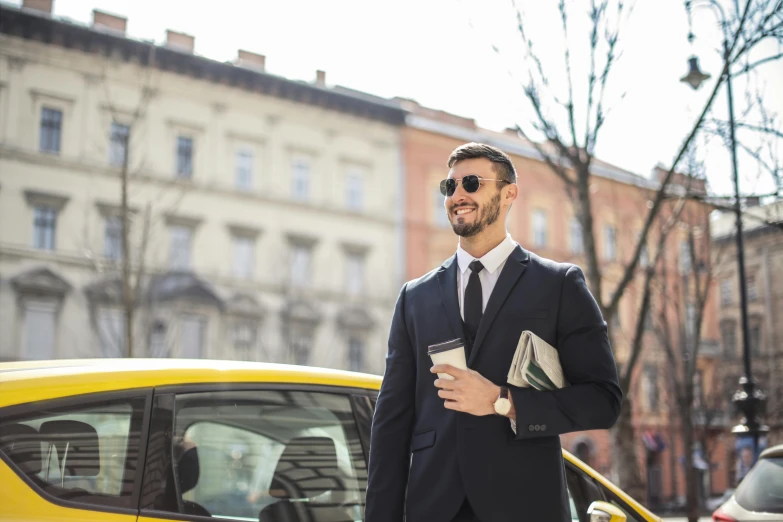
{"x": 460, "y": 194}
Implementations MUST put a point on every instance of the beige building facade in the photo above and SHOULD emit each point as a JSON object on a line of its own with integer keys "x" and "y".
{"x": 763, "y": 248}
{"x": 265, "y": 217}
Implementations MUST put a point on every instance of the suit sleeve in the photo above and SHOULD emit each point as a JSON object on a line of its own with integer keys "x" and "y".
{"x": 392, "y": 426}
{"x": 592, "y": 399}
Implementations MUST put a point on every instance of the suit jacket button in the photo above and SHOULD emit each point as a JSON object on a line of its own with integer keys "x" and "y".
{"x": 543, "y": 427}
{"x": 537, "y": 427}
{"x": 531, "y": 428}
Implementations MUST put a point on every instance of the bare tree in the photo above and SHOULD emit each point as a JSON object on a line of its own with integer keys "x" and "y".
{"x": 569, "y": 152}
{"x": 681, "y": 311}
{"x": 138, "y": 221}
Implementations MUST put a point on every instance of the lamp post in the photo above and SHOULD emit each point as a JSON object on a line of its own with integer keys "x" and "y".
{"x": 749, "y": 399}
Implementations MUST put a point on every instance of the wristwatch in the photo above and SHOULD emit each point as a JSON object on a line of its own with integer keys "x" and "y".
{"x": 502, "y": 404}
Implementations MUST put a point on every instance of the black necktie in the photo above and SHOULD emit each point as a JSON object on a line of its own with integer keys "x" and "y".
{"x": 473, "y": 303}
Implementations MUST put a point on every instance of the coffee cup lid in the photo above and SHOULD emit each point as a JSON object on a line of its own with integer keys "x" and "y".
{"x": 444, "y": 347}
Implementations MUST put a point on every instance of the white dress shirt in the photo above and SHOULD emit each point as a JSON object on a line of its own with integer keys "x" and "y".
{"x": 493, "y": 262}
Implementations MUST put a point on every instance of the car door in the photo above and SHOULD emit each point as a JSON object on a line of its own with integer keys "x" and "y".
{"x": 73, "y": 459}
{"x": 255, "y": 453}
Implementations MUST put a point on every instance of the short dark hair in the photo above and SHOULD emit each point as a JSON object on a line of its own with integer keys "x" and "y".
{"x": 501, "y": 163}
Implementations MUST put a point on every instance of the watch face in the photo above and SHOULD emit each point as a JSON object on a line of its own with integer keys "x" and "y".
{"x": 502, "y": 406}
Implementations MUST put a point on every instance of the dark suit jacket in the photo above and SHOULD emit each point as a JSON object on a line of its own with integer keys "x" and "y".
{"x": 438, "y": 456}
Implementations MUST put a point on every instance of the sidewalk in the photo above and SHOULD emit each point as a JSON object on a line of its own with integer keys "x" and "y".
{"x": 685, "y": 519}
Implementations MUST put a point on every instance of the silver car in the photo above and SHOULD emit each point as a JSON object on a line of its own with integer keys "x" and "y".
{"x": 759, "y": 496}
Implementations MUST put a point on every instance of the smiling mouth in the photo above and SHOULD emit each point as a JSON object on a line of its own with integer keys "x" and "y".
{"x": 463, "y": 211}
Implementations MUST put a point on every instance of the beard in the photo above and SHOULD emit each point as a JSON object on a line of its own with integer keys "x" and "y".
{"x": 486, "y": 216}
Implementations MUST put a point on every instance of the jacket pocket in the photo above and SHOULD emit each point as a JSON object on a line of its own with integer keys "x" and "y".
{"x": 423, "y": 440}
{"x": 550, "y": 442}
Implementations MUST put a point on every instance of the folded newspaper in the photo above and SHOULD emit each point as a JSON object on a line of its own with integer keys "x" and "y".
{"x": 536, "y": 364}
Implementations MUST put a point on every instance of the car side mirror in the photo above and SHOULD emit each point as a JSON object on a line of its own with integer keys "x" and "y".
{"x": 600, "y": 511}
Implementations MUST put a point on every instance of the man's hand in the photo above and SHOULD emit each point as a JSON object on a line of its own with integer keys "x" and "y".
{"x": 469, "y": 392}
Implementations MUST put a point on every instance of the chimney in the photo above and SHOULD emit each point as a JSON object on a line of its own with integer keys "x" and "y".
{"x": 251, "y": 60}
{"x": 320, "y": 78}
{"x": 110, "y": 22}
{"x": 44, "y": 6}
{"x": 180, "y": 41}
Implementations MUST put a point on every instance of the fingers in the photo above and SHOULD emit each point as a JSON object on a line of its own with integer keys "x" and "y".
{"x": 447, "y": 394}
{"x": 452, "y": 405}
{"x": 446, "y": 384}
{"x": 448, "y": 369}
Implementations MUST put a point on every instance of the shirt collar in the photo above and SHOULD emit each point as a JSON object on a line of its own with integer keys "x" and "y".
{"x": 492, "y": 259}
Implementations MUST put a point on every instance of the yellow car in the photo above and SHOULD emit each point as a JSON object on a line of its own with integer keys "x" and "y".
{"x": 153, "y": 440}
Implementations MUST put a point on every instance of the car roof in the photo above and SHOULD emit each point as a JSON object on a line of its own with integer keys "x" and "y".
{"x": 29, "y": 381}
{"x": 773, "y": 452}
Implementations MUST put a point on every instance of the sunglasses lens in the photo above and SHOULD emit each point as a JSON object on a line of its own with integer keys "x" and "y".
{"x": 470, "y": 183}
{"x": 447, "y": 187}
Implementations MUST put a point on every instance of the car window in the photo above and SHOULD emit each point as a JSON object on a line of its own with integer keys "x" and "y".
{"x": 84, "y": 453}
{"x": 762, "y": 488}
{"x": 630, "y": 514}
{"x": 268, "y": 456}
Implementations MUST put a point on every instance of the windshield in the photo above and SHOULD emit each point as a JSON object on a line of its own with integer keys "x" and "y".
{"x": 762, "y": 488}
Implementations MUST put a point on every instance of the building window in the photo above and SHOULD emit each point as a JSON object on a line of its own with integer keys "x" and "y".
{"x": 754, "y": 333}
{"x": 439, "y": 216}
{"x": 179, "y": 248}
{"x": 644, "y": 253}
{"x": 728, "y": 332}
{"x": 575, "y": 237}
{"x": 300, "y": 344}
{"x": 39, "y": 330}
{"x": 753, "y": 290}
{"x": 51, "y": 130}
{"x": 244, "y": 257}
{"x": 244, "y": 341}
{"x": 158, "y": 346}
{"x": 610, "y": 242}
{"x": 354, "y": 273}
{"x": 300, "y": 179}
{"x": 650, "y": 388}
{"x": 112, "y": 245}
{"x": 539, "y": 228}
{"x": 698, "y": 389}
{"x": 244, "y": 169}
{"x": 184, "y": 157}
{"x": 685, "y": 257}
{"x": 192, "y": 329}
{"x": 44, "y": 228}
{"x": 648, "y": 321}
{"x": 355, "y": 354}
{"x": 725, "y": 292}
{"x": 118, "y": 147}
{"x": 300, "y": 265}
{"x": 355, "y": 189}
{"x": 111, "y": 332}
{"x": 691, "y": 321}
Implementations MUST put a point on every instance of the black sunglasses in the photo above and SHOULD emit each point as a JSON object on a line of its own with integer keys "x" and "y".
{"x": 470, "y": 183}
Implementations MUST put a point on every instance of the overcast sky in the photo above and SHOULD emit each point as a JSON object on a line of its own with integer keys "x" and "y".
{"x": 439, "y": 53}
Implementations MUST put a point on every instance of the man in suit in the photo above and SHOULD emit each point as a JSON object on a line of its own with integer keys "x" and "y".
{"x": 475, "y": 448}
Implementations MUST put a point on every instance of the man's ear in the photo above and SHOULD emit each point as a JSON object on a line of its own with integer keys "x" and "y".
{"x": 512, "y": 192}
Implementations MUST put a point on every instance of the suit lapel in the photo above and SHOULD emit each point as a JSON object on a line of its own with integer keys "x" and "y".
{"x": 513, "y": 269}
{"x": 447, "y": 277}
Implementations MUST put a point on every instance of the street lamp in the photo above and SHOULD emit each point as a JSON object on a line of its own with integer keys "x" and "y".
{"x": 749, "y": 399}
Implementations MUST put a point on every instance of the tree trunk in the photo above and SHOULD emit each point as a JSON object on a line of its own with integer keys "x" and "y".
{"x": 585, "y": 210}
{"x": 128, "y": 300}
{"x": 691, "y": 475}
{"x": 625, "y": 462}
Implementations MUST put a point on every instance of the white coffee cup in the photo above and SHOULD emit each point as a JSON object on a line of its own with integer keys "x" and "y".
{"x": 451, "y": 352}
